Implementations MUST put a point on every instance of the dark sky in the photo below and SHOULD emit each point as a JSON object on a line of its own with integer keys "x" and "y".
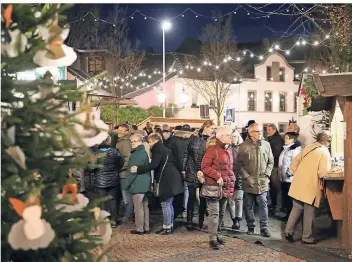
{"x": 245, "y": 29}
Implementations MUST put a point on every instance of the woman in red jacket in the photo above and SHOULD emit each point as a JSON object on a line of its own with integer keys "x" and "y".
{"x": 217, "y": 166}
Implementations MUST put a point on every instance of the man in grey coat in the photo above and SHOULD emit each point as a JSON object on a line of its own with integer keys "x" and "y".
{"x": 124, "y": 146}
{"x": 255, "y": 162}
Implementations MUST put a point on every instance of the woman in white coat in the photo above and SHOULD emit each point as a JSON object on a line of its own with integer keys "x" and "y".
{"x": 292, "y": 148}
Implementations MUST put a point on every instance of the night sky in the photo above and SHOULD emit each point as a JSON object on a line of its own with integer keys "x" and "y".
{"x": 245, "y": 29}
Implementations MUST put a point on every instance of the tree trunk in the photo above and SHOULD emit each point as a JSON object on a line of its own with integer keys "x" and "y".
{"x": 218, "y": 119}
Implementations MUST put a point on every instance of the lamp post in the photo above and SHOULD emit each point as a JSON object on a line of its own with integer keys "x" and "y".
{"x": 166, "y": 25}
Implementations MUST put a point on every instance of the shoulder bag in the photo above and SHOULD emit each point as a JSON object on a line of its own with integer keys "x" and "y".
{"x": 156, "y": 184}
{"x": 214, "y": 192}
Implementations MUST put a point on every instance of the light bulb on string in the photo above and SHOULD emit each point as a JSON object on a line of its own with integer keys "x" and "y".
{"x": 251, "y": 55}
{"x": 287, "y": 52}
{"x": 216, "y": 67}
{"x": 244, "y": 52}
{"x": 131, "y": 17}
{"x": 327, "y": 37}
{"x": 324, "y": 71}
{"x": 316, "y": 43}
{"x": 238, "y": 59}
{"x": 298, "y": 43}
{"x": 205, "y": 63}
{"x": 261, "y": 57}
{"x": 229, "y": 58}
{"x": 270, "y": 50}
{"x": 198, "y": 69}
{"x": 145, "y": 18}
{"x": 210, "y": 64}
{"x": 183, "y": 15}
{"x": 303, "y": 42}
{"x": 277, "y": 47}
{"x": 196, "y": 16}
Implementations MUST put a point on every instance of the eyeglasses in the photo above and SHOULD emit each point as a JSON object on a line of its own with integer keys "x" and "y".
{"x": 259, "y": 131}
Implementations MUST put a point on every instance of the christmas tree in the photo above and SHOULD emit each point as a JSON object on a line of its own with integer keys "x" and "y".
{"x": 43, "y": 217}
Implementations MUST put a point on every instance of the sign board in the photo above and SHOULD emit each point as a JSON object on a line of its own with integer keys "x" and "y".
{"x": 229, "y": 116}
{"x": 58, "y": 73}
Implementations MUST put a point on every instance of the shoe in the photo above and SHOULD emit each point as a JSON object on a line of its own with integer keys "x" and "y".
{"x": 201, "y": 225}
{"x": 189, "y": 226}
{"x": 250, "y": 231}
{"x": 214, "y": 245}
{"x": 135, "y": 232}
{"x": 288, "y": 237}
{"x": 184, "y": 214}
{"x": 236, "y": 224}
{"x": 164, "y": 231}
{"x": 146, "y": 232}
{"x": 265, "y": 233}
{"x": 309, "y": 243}
{"x": 221, "y": 241}
{"x": 113, "y": 224}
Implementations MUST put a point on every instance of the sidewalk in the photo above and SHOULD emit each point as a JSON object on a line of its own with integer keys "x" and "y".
{"x": 186, "y": 246}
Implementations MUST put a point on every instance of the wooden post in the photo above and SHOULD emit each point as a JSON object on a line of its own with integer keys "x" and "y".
{"x": 347, "y": 216}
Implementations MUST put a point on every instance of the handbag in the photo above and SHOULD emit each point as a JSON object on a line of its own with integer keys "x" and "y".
{"x": 214, "y": 192}
{"x": 156, "y": 184}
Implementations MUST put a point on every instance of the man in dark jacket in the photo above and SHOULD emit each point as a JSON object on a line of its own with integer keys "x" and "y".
{"x": 148, "y": 128}
{"x": 276, "y": 144}
{"x": 106, "y": 177}
{"x": 177, "y": 145}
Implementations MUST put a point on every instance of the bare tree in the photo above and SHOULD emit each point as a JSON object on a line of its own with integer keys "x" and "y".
{"x": 219, "y": 65}
{"x": 122, "y": 59}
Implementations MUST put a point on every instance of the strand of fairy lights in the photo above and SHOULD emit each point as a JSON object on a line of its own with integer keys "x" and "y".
{"x": 259, "y": 14}
{"x": 228, "y": 58}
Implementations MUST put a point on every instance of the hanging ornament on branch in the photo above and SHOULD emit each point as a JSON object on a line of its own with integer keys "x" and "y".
{"x": 31, "y": 232}
{"x": 72, "y": 201}
{"x": 56, "y": 53}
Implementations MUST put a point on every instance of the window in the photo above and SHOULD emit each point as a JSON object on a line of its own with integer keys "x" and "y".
{"x": 282, "y": 102}
{"x": 268, "y": 101}
{"x": 295, "y": 103}
{"x": 282, "y": 74}
{"x": 251, "y": 100}
{"x": 268, "y": 73}
{"x": 212, "y": 103}
{"x": 282, "y": 127}
{"x": 204, "y": 111}
{"x": 94, "y": 65}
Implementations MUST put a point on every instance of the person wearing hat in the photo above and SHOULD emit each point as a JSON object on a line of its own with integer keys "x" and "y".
{"x": 245, "y": 134}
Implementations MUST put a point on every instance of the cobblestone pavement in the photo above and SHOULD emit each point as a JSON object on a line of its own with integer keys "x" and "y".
{"x": 186, "y": 246}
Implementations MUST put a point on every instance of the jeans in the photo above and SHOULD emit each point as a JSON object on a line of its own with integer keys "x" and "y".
{"x": 109, "y": 205}
{"x": 141, "y": 211}
{"x": 249, "y": 203}
{"x": 275, "y": 189}
{"x": 127, "y": 199}
{"x": 216, "y": 214}
{"x": 185, "y": 196}
{"x": 168, "y": 213}
{"x": 308, "y": 212}
{"x": 235, "y": 204}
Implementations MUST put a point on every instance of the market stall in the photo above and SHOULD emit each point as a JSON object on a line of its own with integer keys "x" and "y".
{"x": 338, "y": 184}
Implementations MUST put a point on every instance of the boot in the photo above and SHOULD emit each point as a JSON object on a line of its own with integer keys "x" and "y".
{"x": 189, "y": 226}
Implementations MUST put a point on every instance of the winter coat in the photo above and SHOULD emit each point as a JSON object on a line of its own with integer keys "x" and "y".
{"x": 276, "y": 144}
{"x": 192, "y": 157}
{"x": 287, "y": 155}
{"x": 238, "y": 183}
{"x": 107, "y": 175}
{"x": 124, "y": 147}
{"x": 148, "y": 130}
{"x": 138, "y": 183}
{"x": 177, "y": 145}
{"x": 170, "y": 183}
{"x": 218, "y": 163}
{"x": 307, "y": 169}
{"x": 255, "y": 162}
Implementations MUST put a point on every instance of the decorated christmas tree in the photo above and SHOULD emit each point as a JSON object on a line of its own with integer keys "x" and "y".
{"x": 43, "y": 216}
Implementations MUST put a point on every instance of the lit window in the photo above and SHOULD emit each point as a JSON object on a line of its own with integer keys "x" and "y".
{"x": 268, "y": 101}
{"x": 282, "y": 102}
{"x": 251, "y": 100}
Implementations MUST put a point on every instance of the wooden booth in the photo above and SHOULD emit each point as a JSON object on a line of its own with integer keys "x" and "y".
{"x": 338, "y": 185}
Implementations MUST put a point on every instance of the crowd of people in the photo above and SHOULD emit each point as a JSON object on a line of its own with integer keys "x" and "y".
{"x": 208, "y": 171}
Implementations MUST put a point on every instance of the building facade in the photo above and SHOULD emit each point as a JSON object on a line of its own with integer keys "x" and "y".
{"x": 268, "y": 98}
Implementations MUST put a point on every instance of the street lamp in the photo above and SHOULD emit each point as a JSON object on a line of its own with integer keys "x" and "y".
{"x": 166, "y": 25}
